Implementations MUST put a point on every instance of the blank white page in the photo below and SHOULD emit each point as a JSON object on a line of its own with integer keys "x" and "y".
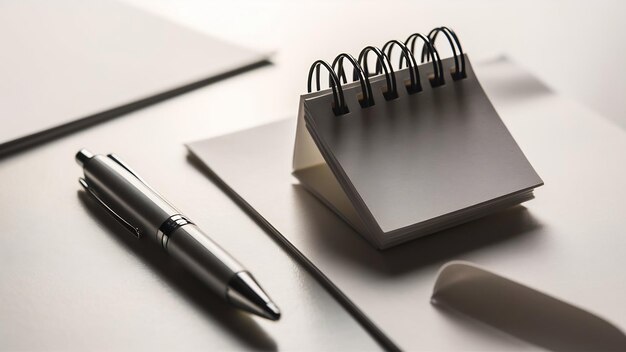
{"x": 66, "y": 60}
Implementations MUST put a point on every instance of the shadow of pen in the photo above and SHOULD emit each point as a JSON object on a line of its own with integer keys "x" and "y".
{"x": 237, "y": 323}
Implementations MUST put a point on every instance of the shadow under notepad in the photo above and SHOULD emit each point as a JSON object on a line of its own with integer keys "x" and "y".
{"x": 441, "y": 246}
{"x": 236, "y": 323}
{"x": 332, "y": 234}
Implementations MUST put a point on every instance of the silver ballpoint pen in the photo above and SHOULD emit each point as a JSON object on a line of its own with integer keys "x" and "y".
{"x": 139, "y": 208}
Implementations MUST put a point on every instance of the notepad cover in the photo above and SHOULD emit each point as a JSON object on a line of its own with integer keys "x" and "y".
{"x": 420, "y": 156}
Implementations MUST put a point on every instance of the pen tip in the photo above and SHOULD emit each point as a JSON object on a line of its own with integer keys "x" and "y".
{"x": 245, "y": 293}
{"x": 273, "y": 313}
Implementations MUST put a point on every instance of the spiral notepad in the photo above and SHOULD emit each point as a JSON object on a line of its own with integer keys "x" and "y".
{"x": 399, "y": 154}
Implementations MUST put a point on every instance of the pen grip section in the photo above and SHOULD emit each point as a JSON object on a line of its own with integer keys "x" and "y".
{"x": 202, "y": 256}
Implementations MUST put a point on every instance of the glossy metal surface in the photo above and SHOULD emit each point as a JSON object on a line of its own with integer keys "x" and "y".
{"x": 244, "y": 292}
{"x": 134, "y": 230}
{"x": 203, "y": 257}
{"x": 128, "y": 196}
{"x": 169, "y": 226}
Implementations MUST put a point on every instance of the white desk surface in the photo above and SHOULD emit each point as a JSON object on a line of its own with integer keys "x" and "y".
{"x": 72, "y": 279}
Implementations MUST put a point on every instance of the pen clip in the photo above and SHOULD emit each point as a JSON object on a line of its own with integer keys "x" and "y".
{"x": 126, "y": 224}
{"x": 121, "y": 163}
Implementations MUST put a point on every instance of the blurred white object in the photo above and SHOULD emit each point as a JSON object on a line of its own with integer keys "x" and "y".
{"x": 523, "y": 312}
{"x": 66, "y": 64}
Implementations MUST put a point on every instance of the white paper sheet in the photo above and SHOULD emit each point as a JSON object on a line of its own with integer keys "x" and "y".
{"x": 568, "y": 241}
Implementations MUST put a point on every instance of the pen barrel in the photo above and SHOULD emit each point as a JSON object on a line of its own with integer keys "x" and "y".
{"x": 128, "y": 196}
{"x": 203, "y": 257}
{"x": 142, "y": 211}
